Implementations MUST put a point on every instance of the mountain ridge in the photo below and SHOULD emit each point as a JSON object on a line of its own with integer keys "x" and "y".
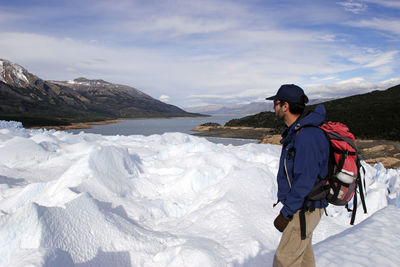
{"x": 373, "y": 115}
{"x": 36, "y": 102}
{"x": 241, "y": 109}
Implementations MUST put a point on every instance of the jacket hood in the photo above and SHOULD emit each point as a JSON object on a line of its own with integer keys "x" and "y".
{"x": 315, "y": 118}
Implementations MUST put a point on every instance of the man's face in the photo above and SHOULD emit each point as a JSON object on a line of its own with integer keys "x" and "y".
{"x": 278, "y": 109}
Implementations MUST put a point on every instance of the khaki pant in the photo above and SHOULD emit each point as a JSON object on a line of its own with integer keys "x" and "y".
{"x": 292, "y": 251}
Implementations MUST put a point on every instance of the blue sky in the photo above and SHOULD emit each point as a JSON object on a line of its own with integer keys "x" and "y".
{"x": 191, "y": 53}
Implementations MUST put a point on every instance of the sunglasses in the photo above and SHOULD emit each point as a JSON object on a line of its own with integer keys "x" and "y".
{"x": 276, "y": 102}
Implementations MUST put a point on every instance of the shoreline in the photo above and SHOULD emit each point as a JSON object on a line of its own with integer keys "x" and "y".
{"x": 76, "y": 125}
{"x": 231, "y": 132}
{"x": 386, "y": 152}
{"x": 87, "y": 125}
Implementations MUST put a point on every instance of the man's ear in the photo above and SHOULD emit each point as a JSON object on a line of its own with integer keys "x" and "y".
{"x": 285, "y": 106}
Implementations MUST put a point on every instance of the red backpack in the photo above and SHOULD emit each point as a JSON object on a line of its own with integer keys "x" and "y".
{"x": 344, "y": 179}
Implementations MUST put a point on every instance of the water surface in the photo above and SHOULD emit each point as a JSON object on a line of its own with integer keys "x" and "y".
{"x": 160, "y": 126}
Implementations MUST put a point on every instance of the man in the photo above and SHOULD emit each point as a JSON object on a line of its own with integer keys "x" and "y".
{"x": 304, "y": 160}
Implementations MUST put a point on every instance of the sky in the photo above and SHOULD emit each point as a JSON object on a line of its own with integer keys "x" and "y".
{"x": 191, "y": 53}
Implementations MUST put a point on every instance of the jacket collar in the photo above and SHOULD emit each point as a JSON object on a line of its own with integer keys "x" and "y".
{"x": 289, "y": 131}
{"x": 314, "y": 118}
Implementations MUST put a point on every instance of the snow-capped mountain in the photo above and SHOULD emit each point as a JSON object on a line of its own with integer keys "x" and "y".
{"x": 96, "y": 86}
{"x": 15, "y": 75}
{"x": 24, "y": 95}
{"x": 120, "y": 100}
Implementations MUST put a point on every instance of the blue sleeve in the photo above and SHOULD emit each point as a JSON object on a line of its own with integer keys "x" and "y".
{"x": 310, "y": 144}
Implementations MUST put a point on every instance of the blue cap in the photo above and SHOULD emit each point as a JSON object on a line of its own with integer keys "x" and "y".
{"x": 290, "y": 93}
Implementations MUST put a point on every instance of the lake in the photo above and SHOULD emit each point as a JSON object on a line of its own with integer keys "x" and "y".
{"x": 159, "y": 126}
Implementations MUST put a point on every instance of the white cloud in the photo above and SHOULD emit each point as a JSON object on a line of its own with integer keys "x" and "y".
{"x": 178, "y": 25}
{"x": 237, "y": 77}
{"x": 383, "y": 59}
{"x": 387, "y": 25}
{"x": 197, "y": 48}
{"x": 69, "y": 69}
{"x": 328, "y": 38}
{"x": 353, "y": 86}
{"x": 329, "y": 78}
{"x": 172, "y": 20}
{"x": 8, "y": 17}
{"x": 245, "y": 96}
{"x": 387, "y": 3}
{"x": 369, "y": 58}
{"x": 355, "y": 7}
{"x": 164, "y": 98}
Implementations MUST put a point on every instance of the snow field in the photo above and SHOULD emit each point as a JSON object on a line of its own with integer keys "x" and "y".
{"x": 166, "y": 200}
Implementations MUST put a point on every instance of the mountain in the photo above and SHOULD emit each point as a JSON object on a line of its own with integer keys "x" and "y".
{"x": 374, "y": 115}
{"x": 122, "y": 101}
{"x": 27, "y": 98}
{"x": 231, "y": 109}
{"x": 240, "y": 109}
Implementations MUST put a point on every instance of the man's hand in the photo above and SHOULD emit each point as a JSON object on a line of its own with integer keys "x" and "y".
{"x": 281, "y": 222}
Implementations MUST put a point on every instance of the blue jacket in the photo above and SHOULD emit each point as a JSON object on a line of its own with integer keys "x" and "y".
{"x": 306, "y": 150}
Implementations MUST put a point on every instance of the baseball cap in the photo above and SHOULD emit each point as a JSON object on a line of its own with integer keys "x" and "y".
{"x": 290, "y": 93}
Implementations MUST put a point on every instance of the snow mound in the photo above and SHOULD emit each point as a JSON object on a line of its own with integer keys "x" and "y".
{"x": 164, "y": 200}
{"x": 41, "y": 257}
{"x": 10, "y": 124}
{"x": 369, "y": 243}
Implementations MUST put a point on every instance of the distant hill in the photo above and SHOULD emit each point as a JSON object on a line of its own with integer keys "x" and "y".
{"x": 232, "y": 109}
{"x": 36, "y": 102}
{"x": 374, "y": 115}
{"x": 239, "y": 109}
